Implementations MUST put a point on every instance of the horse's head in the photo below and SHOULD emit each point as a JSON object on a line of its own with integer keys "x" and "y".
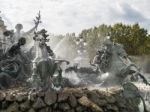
{"x": 111, "y": 61}
{"x": 119, "y": 48}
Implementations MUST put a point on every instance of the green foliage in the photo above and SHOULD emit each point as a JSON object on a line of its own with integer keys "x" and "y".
{"x": 135, "y": 39}
{"x": 94, "y": 37}
{"x": 132, "y": 37}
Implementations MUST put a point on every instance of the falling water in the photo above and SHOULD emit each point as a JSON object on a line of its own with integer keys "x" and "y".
{"x": 104, "y": 76}
{"x": 141, "y": 107}
{"x": 65, "y": 50}
{"x": 73, "y": 78}
{"x": 58, "y": 49}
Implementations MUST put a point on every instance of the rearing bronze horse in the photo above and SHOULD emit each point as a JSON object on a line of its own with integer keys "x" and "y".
{"x": 118, "y": 65}
{"x": 44, "y": 63}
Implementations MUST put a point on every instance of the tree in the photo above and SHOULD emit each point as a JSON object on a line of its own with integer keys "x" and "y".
{"x": 95, "y": 37}
{"x": 135, "y": 39}
{"x": 132, "y": 37}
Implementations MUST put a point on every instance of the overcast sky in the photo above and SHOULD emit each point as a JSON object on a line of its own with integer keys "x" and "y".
{"x": 62, "y": 16}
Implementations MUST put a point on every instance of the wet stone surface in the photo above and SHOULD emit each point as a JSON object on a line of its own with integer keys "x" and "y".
{"x": 67, "y": 100}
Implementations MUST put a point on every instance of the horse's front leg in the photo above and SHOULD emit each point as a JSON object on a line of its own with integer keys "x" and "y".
{"x": 59, "y": 78}
{"x": 60, "y": 75}
{"x": 48, "y": 84}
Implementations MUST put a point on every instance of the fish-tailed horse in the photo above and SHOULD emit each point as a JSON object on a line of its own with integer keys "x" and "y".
{"x": 116, "y": 62}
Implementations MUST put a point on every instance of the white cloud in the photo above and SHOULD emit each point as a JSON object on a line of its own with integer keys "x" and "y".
{"x": 62, "y": 16}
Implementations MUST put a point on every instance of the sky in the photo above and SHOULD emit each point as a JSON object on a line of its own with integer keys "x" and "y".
{"x": 67, "y": 16}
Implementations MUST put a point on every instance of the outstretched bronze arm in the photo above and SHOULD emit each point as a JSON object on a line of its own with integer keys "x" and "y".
{"x": 37, "y": 21}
